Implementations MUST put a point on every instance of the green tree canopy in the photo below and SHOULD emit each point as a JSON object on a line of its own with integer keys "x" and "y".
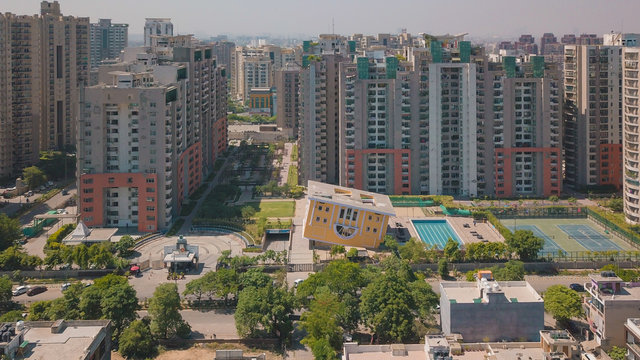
{"x": 15, "y": 258}
{"x": 34, "y": 177}
{"x": 254, "y": 277}
{"x": 164, "y": 310}
{"x": 321, "y": 321}
{"x": 452, "y": 250}
{"x": 9, "y": 231}
{"x": 125, "y": 245}
{"x": 137, "y": 342}
{"x": 562, "y": 303}
{"x": 264, "y": 311}
{"x": 386, "y": 306}
{"x": 617, "y": 353}
{"x": 525, "y": 244}
{"x": 6, "y": 287}
{"x": 513, "y": 270}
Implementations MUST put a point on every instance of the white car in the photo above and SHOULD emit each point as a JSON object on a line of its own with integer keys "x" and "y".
{"x": 20, "y": 290}
{"x": 65, "y": 286}
{"x": 297, "y": 282}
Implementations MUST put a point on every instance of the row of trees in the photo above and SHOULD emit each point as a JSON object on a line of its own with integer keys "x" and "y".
{"x": 392, "y": 301}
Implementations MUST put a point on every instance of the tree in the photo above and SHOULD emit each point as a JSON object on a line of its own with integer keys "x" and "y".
{"x": 352, "y": 253}
{"x": 9, "y": 231}
{"x": 390, "y": 243}
{"x": 164, "y": 309}
{"x": 562, "y": 303}
{"x": 452, "y": 250}
{"x": 39, "y": 310}
{"x": 321, "y": 322}
{"x": 340, "y": 276}
{"x": 554, "y": 198}
{"x": 119, "y": 303}
{"x": 12, "y": 316}
{"x": 81, "y": 256}
{"x": 5, "y": 291}
{"x": 525, "y": 244}
{"x": 322, "y": 350}
{"x": 264, "y": 311}
{"x": 615, "y": 204}
{"x": 443, "y": 268}
{"x": 617, "y": 353}
{"x": 125, "y": 245}
{"x": 513, "y": 270}
{"x": 34, "y": 177}
{"x": 386, "y": 306}
{"x": 413, "y": 251}
{"x": 254, "y": 277}
{"x": 337, "y": 250}
{"x": 225, "y": 282}
{"x": 14, "y": 258}
{"x": 137, "y": 342}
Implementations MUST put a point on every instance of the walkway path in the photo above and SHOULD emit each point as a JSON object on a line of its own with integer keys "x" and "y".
{"x": 300, "y": 252}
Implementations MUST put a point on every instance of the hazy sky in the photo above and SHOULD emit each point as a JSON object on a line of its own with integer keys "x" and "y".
{"x": 502, "y": 18}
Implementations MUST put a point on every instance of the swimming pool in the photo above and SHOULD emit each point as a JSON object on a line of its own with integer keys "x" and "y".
{"x": 435, "y": 232}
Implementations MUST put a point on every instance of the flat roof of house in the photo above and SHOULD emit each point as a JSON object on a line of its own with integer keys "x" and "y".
{"x": 350, "y": 197}
{"x": 469, "y": 292}
{"x": 71, "y": 343}
{"x": 626, "y": 293}
{"x": 96, "y": 235}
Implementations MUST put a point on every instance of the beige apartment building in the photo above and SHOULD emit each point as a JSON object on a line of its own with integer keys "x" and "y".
{"x": 288, "y": 99}
{"x": 631, "y": 138}
{"x": 44, "y": 61}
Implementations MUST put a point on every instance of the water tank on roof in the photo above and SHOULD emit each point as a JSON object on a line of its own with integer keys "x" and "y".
{"x": 19, "y": 325}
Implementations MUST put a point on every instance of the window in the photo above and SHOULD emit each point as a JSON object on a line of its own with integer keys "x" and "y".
{"x": 326, "y": 209}
{"x": 375, "y": 230}
{"x": 368, "y": 229}
{"x": 151, "y": 180}
{"x": 150, "y": 199}
{"x": 320, "y": 208}
{"x": 88, "y": 209}
{"x": 317, "y": 218}
{"x": 355, "y": 216}
{"x": 88, "y": 200}
{"x": 324, "y": 220}
{"x": 370, "y": 217}
{"x": 151, "y": 190}
{"x": 151, "y": 208}
{"x": 112, "y": 180}
{"x": 341, "y": 213}
{"x": 88, "y": 191}
{"x": 87, "y": 181}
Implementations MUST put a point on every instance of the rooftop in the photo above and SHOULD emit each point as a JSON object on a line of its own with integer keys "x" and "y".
{"x": 83, "y": 234}
{"x": 625, "y": 293}
{"x": 469, "y": 292}
{"x": 70, "y": 343}
{"x": 350, "y": 197}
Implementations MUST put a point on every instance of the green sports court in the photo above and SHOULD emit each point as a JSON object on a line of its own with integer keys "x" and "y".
{"x": 576, "y": 234}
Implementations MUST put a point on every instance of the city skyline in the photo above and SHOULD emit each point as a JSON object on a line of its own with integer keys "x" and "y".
{"x": 286, "y": 17}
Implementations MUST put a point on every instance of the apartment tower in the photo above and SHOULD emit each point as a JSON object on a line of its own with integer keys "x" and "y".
{"x": 107, "y": 40}
{"x": 44, "y": 61}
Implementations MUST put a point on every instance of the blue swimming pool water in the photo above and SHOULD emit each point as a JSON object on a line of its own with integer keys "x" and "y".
{"x": 435, "y": 232}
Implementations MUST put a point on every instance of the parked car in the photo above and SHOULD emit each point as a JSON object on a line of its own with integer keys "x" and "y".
{"x": 576, "y": 287}
{"x": 36, "y": 290}
{"x": 65, "y": 192}
{"x": 49, "y": 183}
{"x": 65, "y": 286}
{"x": 297, "y": 282}
{"x": 20, "y": 290}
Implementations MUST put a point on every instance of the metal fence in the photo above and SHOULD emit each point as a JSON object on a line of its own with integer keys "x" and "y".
{"x": 540, "y": 212}
{"x": 632, "y": 238}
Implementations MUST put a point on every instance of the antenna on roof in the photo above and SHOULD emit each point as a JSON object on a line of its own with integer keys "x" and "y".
{"x": 333, "y": 26}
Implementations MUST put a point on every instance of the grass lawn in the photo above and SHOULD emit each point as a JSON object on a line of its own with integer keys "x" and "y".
{"x": 294, "y": 152}
{"x": 292, "y": 178}
{"x": 274, "y": 209}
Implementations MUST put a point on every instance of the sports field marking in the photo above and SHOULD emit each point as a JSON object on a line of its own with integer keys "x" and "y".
{"x": 589, "y": 238}
{"x": 550, "y": 246}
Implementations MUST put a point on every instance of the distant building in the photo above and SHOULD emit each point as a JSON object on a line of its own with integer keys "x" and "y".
{"x": 262, "y": 101}
{"x": 491, "y": 310}
{"x": 609, "y": 304}
{"x": 344, "y": 216}
{"x": 288, "y": 102}
{"x": 592, "y": 116}
{"x": 631, "y": 131}
{"x": 107, "y": 40}
{"x": 156, "y": 26}
{"x": 62, "y": 339}
{"x": 44, "y": 62}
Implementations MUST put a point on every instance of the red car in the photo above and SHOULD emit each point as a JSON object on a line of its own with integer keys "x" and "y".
{"x": 36, "y": 290}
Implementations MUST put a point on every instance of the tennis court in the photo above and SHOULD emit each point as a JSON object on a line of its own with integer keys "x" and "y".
{"x": 435, "y": 232}
{"x": 576, "y": 234}
{"x": 550, "y": 246}
{"x": 589, "y": 238}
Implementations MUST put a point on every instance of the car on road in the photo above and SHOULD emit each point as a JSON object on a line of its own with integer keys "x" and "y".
{"x": 36, "y": 290}
{"x": 20, "y": 290}
{"x": 576, "y": 287}
{"x": 65, "y": 192}
{"x": 297, "y": 282}
{"x": 65, "y": 286}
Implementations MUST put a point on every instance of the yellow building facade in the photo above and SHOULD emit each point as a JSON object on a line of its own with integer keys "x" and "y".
{"x": 344, "y": 216}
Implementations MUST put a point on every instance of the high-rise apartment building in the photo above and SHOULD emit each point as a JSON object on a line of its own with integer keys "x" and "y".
{"x": 288, "y": 99}
{"x": 525, "y": 138}
{"x": 222, "y": 50}
{"x": 164, "y": 124}
{"x": 593, "y": 116}
{"x": 107, "y": 40}
{"x": 44, "y": 60}
{"x": 156, "y": 26}
{"x": 631, "y": 130}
